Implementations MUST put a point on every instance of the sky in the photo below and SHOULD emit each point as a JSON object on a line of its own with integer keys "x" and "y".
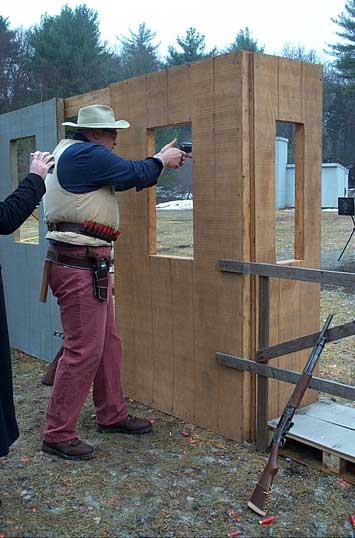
{"x": 272, "y": 23}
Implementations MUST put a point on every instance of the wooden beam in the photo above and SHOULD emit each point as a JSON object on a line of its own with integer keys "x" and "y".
{"x": 304, "y": 342}
{"x": 317, "y": 383}
{"x": 263, "y": 382}
{"x": 336, "y": 278}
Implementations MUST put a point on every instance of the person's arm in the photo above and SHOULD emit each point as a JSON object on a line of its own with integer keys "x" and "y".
{"x": 123, "y": 174}
{"x": 89, "y": 166}
{"x": 18, "y": 206}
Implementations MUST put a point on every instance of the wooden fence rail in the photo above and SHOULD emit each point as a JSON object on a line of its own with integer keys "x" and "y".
{"x": 265, "y": 271}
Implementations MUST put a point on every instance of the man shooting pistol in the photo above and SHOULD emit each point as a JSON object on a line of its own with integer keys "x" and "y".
{"x": 82, "y": 216}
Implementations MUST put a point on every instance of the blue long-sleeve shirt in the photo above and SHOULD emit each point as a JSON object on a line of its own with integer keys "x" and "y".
{"x": 88, "y": 166}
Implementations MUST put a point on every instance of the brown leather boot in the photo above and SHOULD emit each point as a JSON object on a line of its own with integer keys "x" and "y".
{"x": 74, "y": 449}
{"x": 131, "y": 425}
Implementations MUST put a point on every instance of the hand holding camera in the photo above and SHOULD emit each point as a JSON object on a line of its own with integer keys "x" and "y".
{"x": 42, "y": 163}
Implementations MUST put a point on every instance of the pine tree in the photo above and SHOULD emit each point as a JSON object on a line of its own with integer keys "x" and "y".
{"x": 138, "y": 55}
{"x": 339, "y": 91}
{"x": 344, "y": 52}
{"x": 67, "y": 55}
{"x": 9, "y": 52}
{"x": 193, "y": 48}
{"x": 244, "y": 41}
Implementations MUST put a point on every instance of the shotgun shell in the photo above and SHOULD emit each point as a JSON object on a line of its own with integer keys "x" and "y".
{"x": 352, "y": 520}
{"x": 267, "y": 520}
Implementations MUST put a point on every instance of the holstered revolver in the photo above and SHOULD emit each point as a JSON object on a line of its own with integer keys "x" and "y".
{"x": 100, "y": 275}
{"x": 100, "y": 278}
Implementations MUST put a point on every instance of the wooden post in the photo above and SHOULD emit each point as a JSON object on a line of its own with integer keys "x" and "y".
{"x": 262, "y": 382}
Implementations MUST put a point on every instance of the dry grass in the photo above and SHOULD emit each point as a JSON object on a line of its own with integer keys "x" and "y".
{"x": 180, "y": 481}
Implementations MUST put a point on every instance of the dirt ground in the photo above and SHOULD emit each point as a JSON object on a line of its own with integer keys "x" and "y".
{"x": 180, "y": 481}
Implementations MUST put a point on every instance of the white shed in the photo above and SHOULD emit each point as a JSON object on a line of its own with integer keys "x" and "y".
{"x": 334, "y": 183}
{"x": 335, "y": 179}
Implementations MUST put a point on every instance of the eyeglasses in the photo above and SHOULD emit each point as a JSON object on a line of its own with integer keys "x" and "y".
{"x": 111, "y": 132}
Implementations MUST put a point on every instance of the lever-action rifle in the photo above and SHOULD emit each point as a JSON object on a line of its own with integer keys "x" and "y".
{"x": 260, "y": 499}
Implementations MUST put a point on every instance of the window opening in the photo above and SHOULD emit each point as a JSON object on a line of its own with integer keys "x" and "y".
{"x": 289, "y": 177}
{"x": 174, "y": 199}
{"x": 21, "y": 150}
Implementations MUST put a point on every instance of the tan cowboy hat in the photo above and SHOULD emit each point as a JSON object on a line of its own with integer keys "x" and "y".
{"x": 97, "y": 117}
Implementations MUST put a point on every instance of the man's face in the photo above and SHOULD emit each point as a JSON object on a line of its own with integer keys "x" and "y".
{"x": 107, "y": 137}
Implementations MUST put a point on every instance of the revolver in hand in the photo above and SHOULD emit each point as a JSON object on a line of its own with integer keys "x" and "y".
{"x": 186, "y": 147}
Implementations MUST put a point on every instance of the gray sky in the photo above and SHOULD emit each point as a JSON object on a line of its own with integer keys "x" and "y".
{"x": 272, "y": 22}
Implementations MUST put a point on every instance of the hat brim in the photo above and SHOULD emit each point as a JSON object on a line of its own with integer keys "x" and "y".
{"x": 120, "y": 124}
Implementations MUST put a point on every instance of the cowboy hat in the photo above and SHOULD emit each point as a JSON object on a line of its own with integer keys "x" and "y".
{"x": 97, "y": 117}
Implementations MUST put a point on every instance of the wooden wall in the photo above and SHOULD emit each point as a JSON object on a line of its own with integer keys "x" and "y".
{"x": 289, "y": 91}
{"x": 175, "y": 313}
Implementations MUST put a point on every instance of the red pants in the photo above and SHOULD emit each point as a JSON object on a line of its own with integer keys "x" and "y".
{"x": 92, "y": 352}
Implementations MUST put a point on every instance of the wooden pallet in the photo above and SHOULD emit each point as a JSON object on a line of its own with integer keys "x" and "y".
{"x": 323, "y": 435}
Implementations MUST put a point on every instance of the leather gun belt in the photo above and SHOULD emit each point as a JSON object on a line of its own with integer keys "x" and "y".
{"x": 82, "y": 262}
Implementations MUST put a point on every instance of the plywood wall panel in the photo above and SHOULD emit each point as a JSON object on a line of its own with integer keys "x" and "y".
{"x": 157, "y": 99}
{"x": 162, "y": 332}
{"x": 266, "y": 100}
{"x": 181, "y": 311}
{"x": 129, "y": 100}
{"x": 72, "y": 104}
{"x": 287, "y": 101}
{"x": 125, "y": 320}
{"x": 274, "y": 338}
{"x": 121, "y": 104}
{"x": 202, "y": 117}
{"x": 230, "y": 72}
{"x": 205, "y": 273}
{"x": 311, "y": 112}
{"x": 290, "y": 81}
{"x": 125, "y": 290}
{"x": 184, "y": 383}
{"x": 136, "y": 96}
{"x": 289, "y": 328}
{"x": 179, "y": 95}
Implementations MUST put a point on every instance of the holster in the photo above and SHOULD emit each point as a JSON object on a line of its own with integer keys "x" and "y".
{"x": 100, "y": 275}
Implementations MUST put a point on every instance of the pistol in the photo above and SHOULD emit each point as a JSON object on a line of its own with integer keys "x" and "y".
{"x": 186, "y": 147}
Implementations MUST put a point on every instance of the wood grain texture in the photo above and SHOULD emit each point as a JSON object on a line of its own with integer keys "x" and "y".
{"x": 98, "y": 97}
{"x": 174, "y": 313}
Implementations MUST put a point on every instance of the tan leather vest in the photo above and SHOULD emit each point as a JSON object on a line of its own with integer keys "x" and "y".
{"x": 64, "y": 206}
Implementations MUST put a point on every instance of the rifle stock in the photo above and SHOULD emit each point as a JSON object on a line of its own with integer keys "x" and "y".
{"x": 260, "y": 499}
